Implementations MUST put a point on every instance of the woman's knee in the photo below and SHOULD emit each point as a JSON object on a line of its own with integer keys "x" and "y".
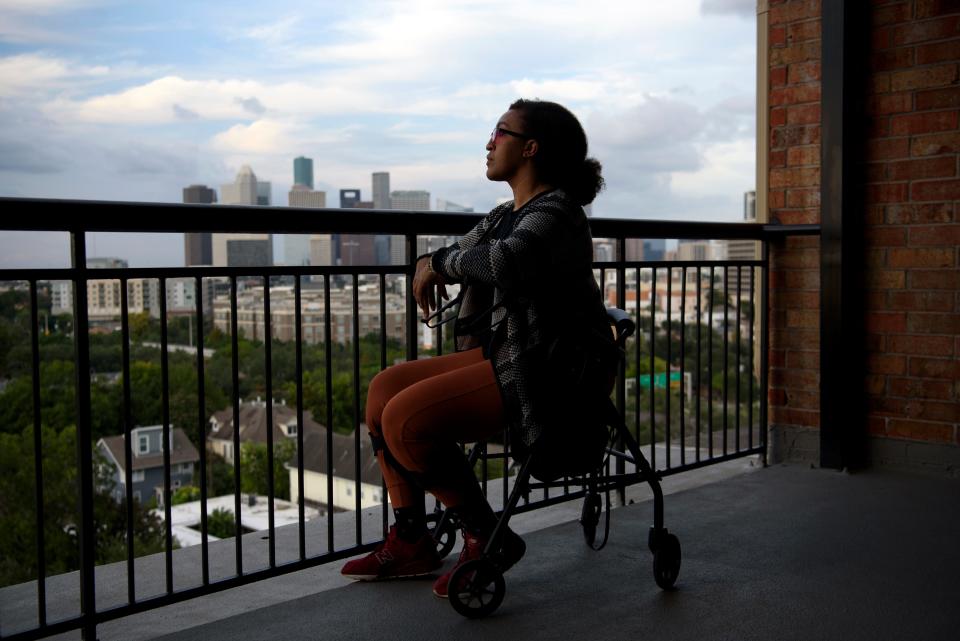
{"x": 398, "y": 429}
{"x": 378, "y": 395}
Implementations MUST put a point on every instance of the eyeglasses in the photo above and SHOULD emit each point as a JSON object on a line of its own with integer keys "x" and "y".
{"x": 500, "y": 132}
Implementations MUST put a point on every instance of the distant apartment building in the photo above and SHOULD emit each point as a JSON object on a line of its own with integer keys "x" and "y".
{"x": 182, "y": 295}
{"x": 243, "y": 250}
{"x": 198, "y": 247}
{"x": 250, "y": 314}
{"x": 146, "y": 456}
{"x": 699, "y": 250}
{"x": 303, "y": 172}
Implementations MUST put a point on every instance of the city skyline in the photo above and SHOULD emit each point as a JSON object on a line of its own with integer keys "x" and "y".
{"x": 121, "y": 101}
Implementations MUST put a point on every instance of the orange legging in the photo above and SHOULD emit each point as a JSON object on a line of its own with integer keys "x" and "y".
{"x": 423, "y": 408}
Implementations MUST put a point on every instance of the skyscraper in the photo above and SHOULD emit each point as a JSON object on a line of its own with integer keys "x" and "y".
{"x": 349, "y": 198}
{"x": 243, "y": 250}
{"x": 417, "y": 200}
{"x": 381, "y": 190}
{"x": 297, "y": 247}
{"x": 197, "y": 247}
{"x": 449, "y": 205}
{"x": 243, "y": 190}
{"x": 303, "y": 171}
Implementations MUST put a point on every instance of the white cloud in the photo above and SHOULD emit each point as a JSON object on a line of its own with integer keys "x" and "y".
{"x": 32, "y": 72}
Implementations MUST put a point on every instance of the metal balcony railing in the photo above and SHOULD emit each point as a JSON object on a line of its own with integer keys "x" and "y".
{"x": 722, "y": 304}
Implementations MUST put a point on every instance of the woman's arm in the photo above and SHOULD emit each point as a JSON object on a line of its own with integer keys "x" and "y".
{"x": 523, "y": 257}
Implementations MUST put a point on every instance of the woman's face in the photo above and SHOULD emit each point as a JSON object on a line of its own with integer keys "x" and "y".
{"x": 505, "y": 147}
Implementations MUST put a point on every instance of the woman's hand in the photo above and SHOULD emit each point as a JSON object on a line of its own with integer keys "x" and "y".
{"x": 425, "y": 281}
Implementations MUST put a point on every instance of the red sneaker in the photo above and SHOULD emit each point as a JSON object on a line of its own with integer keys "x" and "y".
{"x": 395, "y": 558}
{"x": 513, "y": 550}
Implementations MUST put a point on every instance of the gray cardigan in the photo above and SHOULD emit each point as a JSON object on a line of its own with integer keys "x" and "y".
{"x": 542, "y": 275}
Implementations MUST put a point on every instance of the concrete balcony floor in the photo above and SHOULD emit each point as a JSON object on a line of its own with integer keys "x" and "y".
{"x": 785, "y": 552}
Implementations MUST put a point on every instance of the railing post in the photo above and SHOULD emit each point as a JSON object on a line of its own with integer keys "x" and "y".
{"x": 412, "y": 310}
{"x": 81, "y": 341}
{"x": 621, "y": 467}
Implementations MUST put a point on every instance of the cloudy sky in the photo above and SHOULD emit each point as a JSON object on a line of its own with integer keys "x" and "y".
{"x": 120, "y": 100}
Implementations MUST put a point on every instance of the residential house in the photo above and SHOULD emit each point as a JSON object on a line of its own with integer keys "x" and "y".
{"x": 146, "y": 461}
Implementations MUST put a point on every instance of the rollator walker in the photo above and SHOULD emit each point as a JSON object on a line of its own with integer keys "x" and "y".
{"x": 477, "y": 588}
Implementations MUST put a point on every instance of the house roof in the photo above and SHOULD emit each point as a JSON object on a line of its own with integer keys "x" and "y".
{"x": 183, "y": 452}
{"x": 343, "y": 457}
{"x": 253, "y": 422}
{"x": 253, "y": 428}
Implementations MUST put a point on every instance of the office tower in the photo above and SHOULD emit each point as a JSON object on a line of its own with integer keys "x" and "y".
{"x": 243, "y": 250}
{"x": 302, "y": 196}
{"x": 243, "y": 190}
{"x": 448, "y": 205}
{"x": 349, "y": 198}
{"x": 363, "y": 204}
{"x": 381, "y": 190}
{"x": 750, "y": 206}
{"x": 634, "y": 249}
{"x": 653, "y": 248}
{"x": 743, "y": 250}
{"x": 297, "y": 247}
{"x": 264, "y": 193}
{"x": 698, "y": 250}
{"x": 198, "y": 247}
{"x": 357, "y": 249}
{"x": 417, "y": 200}
{"x": 303, "y": 171}
{"x": 409, "y": 200}
{"x": 321, "y": 250}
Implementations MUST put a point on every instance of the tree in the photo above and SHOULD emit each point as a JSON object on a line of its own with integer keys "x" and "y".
{"x": 254, "y": 477}
{"x": 18, "y": 554}
{"x": 221, "y": 523}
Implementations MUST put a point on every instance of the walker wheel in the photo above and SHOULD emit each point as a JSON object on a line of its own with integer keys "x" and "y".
{"x": 476, "y": 588}
{"x": 666, "y": 561}
{"x": 590, "y": 517}
{"x": 446, "y": 538}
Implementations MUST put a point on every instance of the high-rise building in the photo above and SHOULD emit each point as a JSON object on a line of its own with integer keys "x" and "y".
{"x": 264, "y": 193}
{"x": 417, "y": 200}
{"x": 448, "y": 205}
{"x": 743, "y": 250}
{"x": 303, "y": 171}
{"x": 302, "y": 196}
{"x": 321, "y": 250}
{"x": 198, "y": 247}
{"x": 654, "y": 248}
{"x": 411, "y": 200}
{"x": 349, "y": 198}
{"x": 381, "y": 190}
{"x": 244, "y": 250}
{"x": 297, "y": 247}
{"x": 750, "y": 206}
{"x": 243, "y": 190}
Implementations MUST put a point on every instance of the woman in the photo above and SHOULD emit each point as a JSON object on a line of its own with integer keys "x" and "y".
{"x": 526, "y": 269}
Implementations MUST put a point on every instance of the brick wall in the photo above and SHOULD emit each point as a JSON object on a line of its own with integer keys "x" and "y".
{"x": 794, "y": 198}
{"x": 910, "y": 202}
